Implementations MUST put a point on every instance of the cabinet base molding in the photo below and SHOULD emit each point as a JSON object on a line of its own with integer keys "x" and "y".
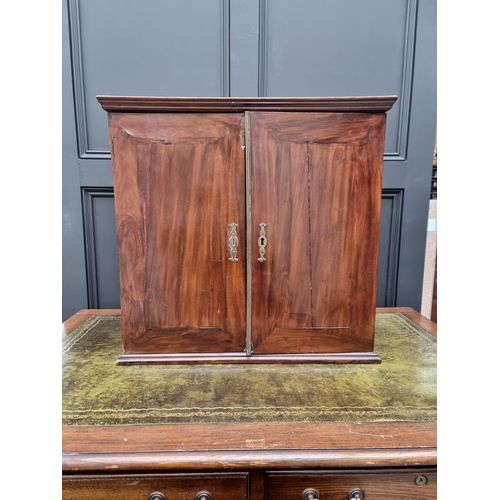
{"x": 189, "y": 358}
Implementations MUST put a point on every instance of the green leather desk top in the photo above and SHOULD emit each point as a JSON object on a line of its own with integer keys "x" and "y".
{"x": 96, "y": 391}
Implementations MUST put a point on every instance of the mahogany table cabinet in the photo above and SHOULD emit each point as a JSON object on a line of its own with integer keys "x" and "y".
{"x": 300, "y": 431}
{"x": 248, "y": 228}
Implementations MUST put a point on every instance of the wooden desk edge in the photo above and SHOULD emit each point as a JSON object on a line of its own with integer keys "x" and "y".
{"x": 416, "y": 317}
{"x": 84, "y": 314}
{"x": 260, "y": 459}
{"x": 264, "y": 445}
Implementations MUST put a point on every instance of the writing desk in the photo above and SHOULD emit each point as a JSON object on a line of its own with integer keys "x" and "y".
{"x": 251, "y": 432}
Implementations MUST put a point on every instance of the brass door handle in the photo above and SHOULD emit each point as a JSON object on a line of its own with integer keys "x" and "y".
{"x": 262, "y": 242}
{"x": 233, "y": 242}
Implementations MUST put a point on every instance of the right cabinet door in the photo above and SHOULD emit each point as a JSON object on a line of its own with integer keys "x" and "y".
{"x": 316, "y": 183}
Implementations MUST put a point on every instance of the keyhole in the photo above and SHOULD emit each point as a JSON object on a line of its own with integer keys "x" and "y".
{"x": 262, "y": 241}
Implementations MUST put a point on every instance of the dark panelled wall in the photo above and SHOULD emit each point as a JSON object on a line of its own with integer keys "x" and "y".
{"x": 245, "y": 48}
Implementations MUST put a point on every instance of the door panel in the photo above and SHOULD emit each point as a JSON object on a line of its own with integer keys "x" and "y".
{"x": 100, "y": 248}
{"x": 346, "y": 188}
{"x": 182, "y": 294}
{"x": 316, "y": 185}
{"x": 281, "y": 297}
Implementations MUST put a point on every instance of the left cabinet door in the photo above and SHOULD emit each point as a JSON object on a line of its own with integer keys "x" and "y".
{"x": 179, "y": 184}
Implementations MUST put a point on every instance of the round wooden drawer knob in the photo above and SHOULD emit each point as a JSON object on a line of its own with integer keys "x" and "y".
{"x": 310, "y": 494}
{"x": 157, "y": 495}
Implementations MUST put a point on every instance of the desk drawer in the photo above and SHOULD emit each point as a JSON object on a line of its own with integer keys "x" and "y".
{"x": 415, "y": 484}
{"x": 231, "y": 486}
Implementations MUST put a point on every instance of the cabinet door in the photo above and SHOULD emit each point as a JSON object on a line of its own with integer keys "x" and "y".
{"x": 316, "y": 184}
{"x": 179, "y": 183}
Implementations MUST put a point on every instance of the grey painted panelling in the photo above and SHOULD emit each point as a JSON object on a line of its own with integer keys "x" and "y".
{"x": 101, "y": 248}
{"x": 74, "y": 285}
{"x": 390, "y": 232}
{"x": 244, "y": 62}
{"x": 420, "y": 152}
{"x": 173, "y": 48}
{"x": 346, "y": 47}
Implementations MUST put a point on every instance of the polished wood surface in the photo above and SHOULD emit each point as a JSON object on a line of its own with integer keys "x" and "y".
{"x": 378, "y": 485}
{"x": 223, "y": 486}
{"x": 179, "y": 182}
{"x": 281, "y": 296}
{"x": 316, "y": 183}
{"x": 375, "y": 104}
{"x": 233, "y": 446}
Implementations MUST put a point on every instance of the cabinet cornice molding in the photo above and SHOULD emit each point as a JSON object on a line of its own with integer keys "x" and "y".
{"x": 373, "y": 104}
